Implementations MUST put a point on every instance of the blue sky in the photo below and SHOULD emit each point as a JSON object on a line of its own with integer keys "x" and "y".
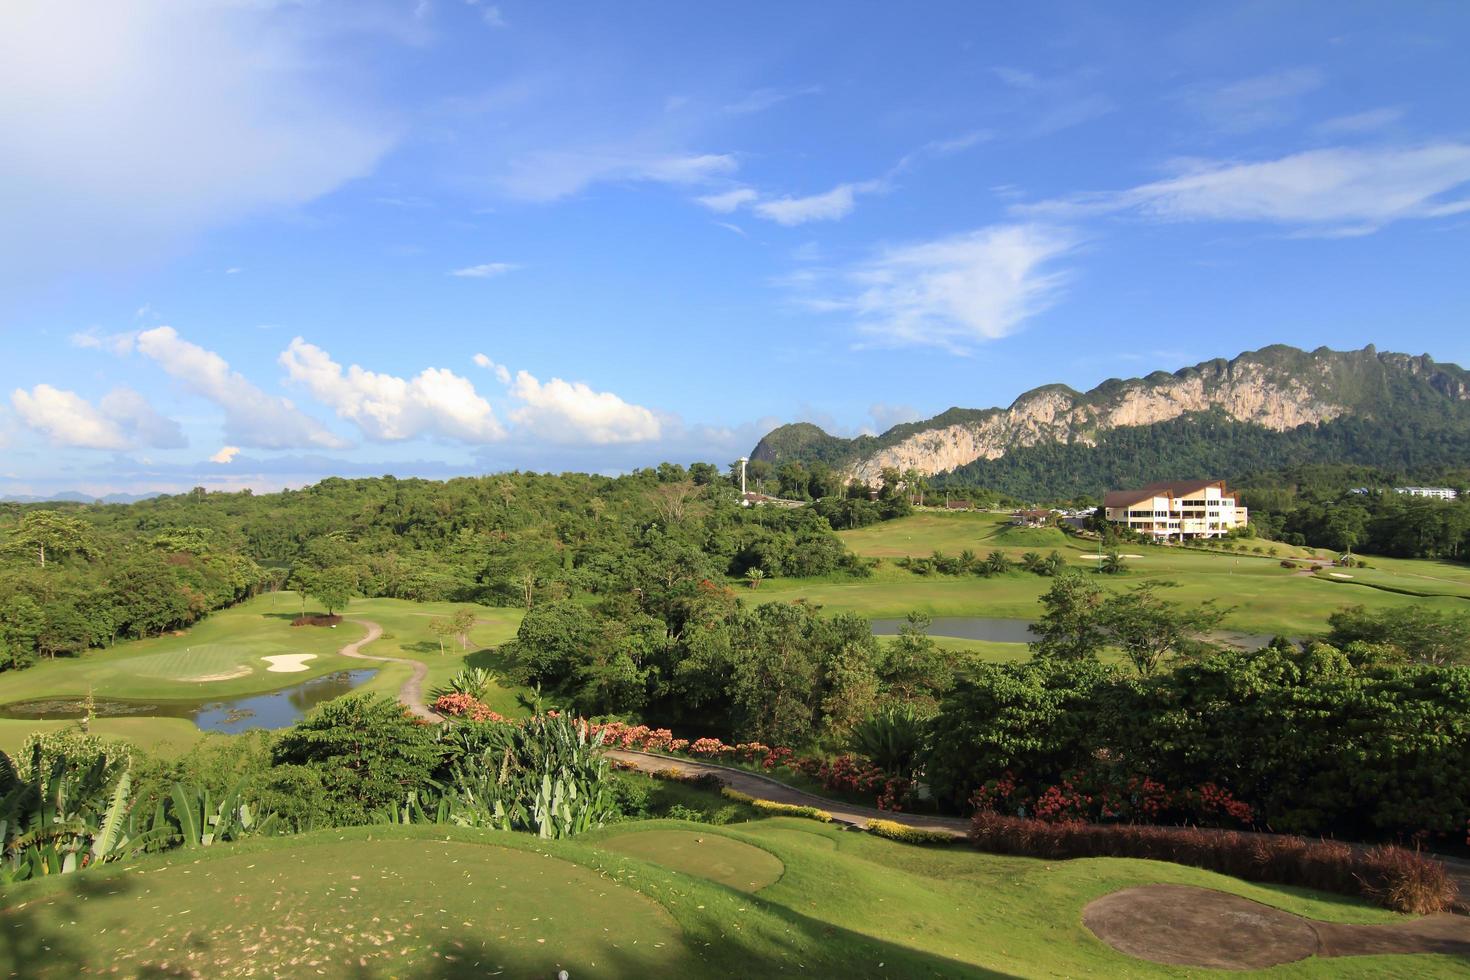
{"x": 250, "y": 244}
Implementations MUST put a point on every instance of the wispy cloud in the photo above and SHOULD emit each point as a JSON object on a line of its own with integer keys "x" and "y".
{"x": 555, "y": 174}
{"x": 765, "y": 98}
{"x": 140, "y": 150}
{"x": 486, "y": 270}
{"x": 951, "y": 292}
{"x": 1052, "y": 103}
{"x": 1370, "y": 121}
{"x": 1252, "y": 103}
{"x": 1331, "y": 191}
{"x": 828, "y": 206}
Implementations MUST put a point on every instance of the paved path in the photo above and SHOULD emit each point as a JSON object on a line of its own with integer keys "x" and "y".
{"x": 765, "y": 788}
{"x": 1187, "y": 926}
{"x": 411, "y": 694}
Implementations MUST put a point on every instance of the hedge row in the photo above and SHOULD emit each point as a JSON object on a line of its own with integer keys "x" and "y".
{"x": 1394, "y": 877}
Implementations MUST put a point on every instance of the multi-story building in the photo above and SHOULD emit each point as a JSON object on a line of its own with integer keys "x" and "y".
{"x": 1438, "y": 493}
{"x": 1186, "y": 509}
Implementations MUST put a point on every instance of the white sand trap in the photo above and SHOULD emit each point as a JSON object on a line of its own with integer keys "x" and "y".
{"x": 1095, "y": 557}
{"x": 1338, "y": 575}
{"x": 288, "y": 663}
{"x": 226, "y": 676}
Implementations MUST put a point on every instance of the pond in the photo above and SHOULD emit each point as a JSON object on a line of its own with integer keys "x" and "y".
{"x": 966, "y": 628}
{"x": 275, "y": 709}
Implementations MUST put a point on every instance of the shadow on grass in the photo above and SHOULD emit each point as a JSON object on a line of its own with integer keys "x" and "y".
{"x": 807, "y": 946}
{"x": 32, "y": 940}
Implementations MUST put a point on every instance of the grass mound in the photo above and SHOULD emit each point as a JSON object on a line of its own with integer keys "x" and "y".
{"x": 718, "y": 858}
{"x": 385, "y": 907}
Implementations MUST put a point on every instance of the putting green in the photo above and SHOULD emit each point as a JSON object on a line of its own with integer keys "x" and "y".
{"x": 720, "y": 859}
{"x": 362, "y": 908}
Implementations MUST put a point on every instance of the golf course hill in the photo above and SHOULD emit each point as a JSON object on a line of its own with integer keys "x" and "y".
{"x": 1264, "y": 409}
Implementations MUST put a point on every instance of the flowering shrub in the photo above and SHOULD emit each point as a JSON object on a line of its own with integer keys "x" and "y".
{"x": 777, "y": 809}
{"x": 1394, "y": 877}
{"x": 465, "y": 706}
{"x": 1101, "y": 796}
{"x": 909, "y": 835}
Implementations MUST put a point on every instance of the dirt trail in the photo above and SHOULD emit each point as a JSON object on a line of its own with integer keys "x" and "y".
{"x": 411, "y": 694}
{"x": 769, "y": 789}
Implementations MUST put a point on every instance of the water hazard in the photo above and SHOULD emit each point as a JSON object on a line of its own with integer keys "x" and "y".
{"x": 275, "y": 709}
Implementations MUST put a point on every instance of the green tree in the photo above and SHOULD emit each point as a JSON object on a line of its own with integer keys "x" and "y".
{"x": 366, "y": 752}
{"x": 1070, "y": 626}
{"x": 1149, "y": 629}
{"x": 333, "y": 588}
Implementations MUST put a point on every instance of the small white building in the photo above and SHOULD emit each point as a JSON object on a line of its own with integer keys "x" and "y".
{"x": 1437, "y": 493}
{"x": 1187, "y": 509}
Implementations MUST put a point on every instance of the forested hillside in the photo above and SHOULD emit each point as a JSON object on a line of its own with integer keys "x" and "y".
{"x": 515, "y": 539}
{"x": 1265, "y": 409}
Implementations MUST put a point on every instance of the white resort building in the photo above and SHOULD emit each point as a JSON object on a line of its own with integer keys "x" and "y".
{"x": 1187, "y": 509}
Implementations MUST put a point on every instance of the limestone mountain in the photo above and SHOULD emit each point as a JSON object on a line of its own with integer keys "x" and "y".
{"x": 1275, "y": 406}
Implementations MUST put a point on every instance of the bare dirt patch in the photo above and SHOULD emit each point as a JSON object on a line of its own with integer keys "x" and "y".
{"x": 316, "y": 620}
{"x": 228, "y": 675}
{"x": 1183, "y": 925}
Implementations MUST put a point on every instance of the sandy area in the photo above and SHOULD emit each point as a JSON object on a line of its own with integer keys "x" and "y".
{"x": 288, "y": 663}
{"x": 1094, "y": 557}
{"x": 1338, "y": 575}
{"x": 227, "y": 676}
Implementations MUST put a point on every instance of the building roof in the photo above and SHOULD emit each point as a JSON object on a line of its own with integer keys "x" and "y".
{"x": 1038, "y": 514}
{"x": 1164, "y": 488}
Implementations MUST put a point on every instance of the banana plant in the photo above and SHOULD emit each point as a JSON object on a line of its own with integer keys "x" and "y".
{"x": 201, "y": 824}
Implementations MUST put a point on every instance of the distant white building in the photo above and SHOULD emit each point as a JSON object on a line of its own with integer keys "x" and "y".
{"x": 1438, "y": 493}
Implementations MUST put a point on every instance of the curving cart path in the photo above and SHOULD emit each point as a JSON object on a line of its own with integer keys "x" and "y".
{"x": 764, "y": 788}
{"x": 411, "y": 694}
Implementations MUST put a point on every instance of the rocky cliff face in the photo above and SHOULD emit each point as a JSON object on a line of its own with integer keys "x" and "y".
{"x": 1278, "y": 388}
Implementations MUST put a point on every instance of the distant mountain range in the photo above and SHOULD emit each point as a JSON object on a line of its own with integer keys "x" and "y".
{"x": 1278, "y": 406}
{"x": 77, "y": 497}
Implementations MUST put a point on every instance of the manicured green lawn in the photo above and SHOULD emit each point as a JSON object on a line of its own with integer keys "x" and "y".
{"x": 406, "y": 634}
{"x": 220, "y": 657}
{"x": 449, "y": 902}
{"x": 160, "y": 736}
{"x": 1263, "y": 597}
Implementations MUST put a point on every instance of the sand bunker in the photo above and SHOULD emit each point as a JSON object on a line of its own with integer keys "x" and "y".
{"x": 1095, "y": 557}
{"x": 288, "y": 663}
{"x": 1338, "y": 575}
{"x": 228, "y": 675}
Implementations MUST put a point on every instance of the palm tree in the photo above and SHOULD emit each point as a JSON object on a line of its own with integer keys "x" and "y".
{"x": 1031, "y": 560}
{"x": 996, "y": 563}
{"x": 1112, "y": 564}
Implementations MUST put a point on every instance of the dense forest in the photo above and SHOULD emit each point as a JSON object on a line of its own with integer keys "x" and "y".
{"x": 74, "y": 576}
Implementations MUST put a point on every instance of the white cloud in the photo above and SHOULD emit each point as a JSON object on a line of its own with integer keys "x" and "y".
{"x": 1253, "y": 103}
{"x": 502, "y": 373}
{"x": 1334, "y": 191}
{"x": 225, "y": 455}
{"x": 764, "y": 98}
{"x": 729, "y": 201}
{"x": 122, "y": 420}
{"x": 252, "y": 417}
{"x": 829, "y": 206}
{"x": 126, "y": 127}
{"x": 116, "y": 343}
{"x": 571, "y": 412}
{"x": 487, "y": 270}
{"x": 953, "y": 292}
{"x": 138, "y": 418}
{"x": 437, "y": 402}
{"x": 551, "y": 175}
